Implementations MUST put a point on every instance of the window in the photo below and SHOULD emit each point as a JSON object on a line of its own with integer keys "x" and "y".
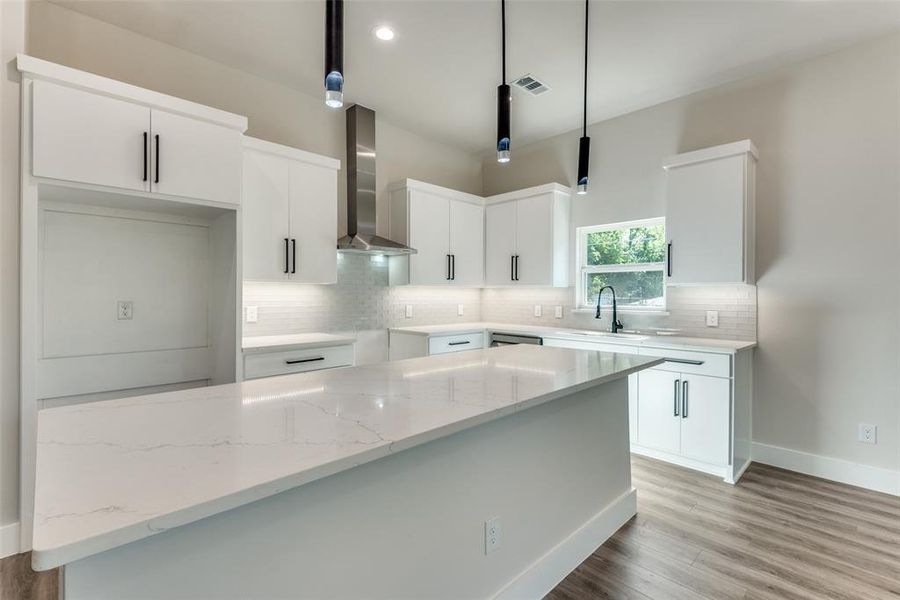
{"x": 628, "y": 256}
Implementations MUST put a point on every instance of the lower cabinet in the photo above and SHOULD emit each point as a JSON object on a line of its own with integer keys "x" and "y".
{"x": 683, "y": 414}
{"x": 404, "y": 344}
{"x": 268, "y": 363}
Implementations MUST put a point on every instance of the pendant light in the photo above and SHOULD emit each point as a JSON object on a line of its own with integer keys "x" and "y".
{"x": 334, "y": 53}
{"x": 584, "y": 144}
{"x": 504, "y": 97}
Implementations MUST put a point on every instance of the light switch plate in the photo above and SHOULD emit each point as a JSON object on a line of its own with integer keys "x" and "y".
{"x": 252, "y": 314}
{"x": 537, "y": 310}
{"x": 557, "y": 312}
{"x": 460, "y": 309}
{"x": 409, "y": 311}
{"x": 712, "y": 318}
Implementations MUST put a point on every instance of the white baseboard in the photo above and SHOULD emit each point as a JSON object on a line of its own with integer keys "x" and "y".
{"x": 9, "y": 540}
{"x": 835, "y": 469}
{"x": 544, "y": 575}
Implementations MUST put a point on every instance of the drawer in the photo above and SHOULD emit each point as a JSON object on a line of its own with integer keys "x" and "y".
{"x": 588, "y": 345}
{"x": 686, "y": 361}
{"x": 284, "y": 362}
{"x": 455, "y": 343}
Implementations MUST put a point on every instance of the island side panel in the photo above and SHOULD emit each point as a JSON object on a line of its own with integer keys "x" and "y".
{"x": 557, "y": 476}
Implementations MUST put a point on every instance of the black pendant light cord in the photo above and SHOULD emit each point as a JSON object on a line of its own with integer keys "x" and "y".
{"x": 503, "y": 36}
{"x": 584, "y": 115}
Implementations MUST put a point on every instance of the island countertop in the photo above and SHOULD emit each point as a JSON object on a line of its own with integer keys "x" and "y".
{"x": 113, "y": 472}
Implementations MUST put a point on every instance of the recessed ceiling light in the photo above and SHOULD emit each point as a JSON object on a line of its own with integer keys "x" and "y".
{"x": 384, "y": 33}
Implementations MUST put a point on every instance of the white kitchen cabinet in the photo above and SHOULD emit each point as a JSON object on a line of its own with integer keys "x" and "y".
{"x": 658, "y": 412}
{"x": 527, "y": 237}
{"x": 191, "y": 158}
{"x": 93, "y": 138}
{"x": 89, "y": 138}
{"x": 409, "y": 344}
{"x": 710, "y": 199}
{"x": 290, "y": 214}
{"x": 446, "y": 227}
{"x": 705, "y": 409}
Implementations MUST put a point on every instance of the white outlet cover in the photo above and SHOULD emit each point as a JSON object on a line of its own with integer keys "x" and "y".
{"x": 460, "y": 309}
{"x": 492, "y": 534}
{"x": 868, "y": 434}
{"x": 712, "y": 318}
{"x": 537, "y": 310}
{"x": 125, "y": 310}
{"x": 252, "y": 314}
{"x": 409, "y": 311}
{"x": 557, "y": 312}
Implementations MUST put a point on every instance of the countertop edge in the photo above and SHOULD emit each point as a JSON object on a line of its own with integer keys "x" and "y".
{"x": 49, "y": 558}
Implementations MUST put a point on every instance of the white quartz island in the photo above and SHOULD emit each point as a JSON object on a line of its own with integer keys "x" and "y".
{"x": 370, "y": 481}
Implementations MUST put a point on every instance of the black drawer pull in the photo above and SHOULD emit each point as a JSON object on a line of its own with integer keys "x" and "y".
{"x": 145, "y": 155}
{"x": 459, "y": 343}
{"x": 685, "y": 361}
{"x": 297, "y": 361}
{"x": 157, "y": 159}
{"x": 669, "y": 259}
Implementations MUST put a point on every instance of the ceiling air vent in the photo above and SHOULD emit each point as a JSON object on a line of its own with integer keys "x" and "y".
{"x": 531, "y": 84}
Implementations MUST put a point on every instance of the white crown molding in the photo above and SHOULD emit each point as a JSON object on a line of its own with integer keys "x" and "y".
{"x": 713, "y": 153}
{"x": 251, "y": 143}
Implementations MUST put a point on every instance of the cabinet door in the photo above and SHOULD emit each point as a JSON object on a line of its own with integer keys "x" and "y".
{"x": 467, "y": 243}
{"x": 313, "y": 217}
{"x": 705, "y": 421}
{"x": 429, "y": 233}
{"x": 266, "y": 193}
{"x": 195, "y": 159}
{"x": 500, "y": 242}
{"x": 705, "y": 221}
{"x": 534, "y": 240}
{"x": 84, "y": 137}
{"x": 658, "y": 425}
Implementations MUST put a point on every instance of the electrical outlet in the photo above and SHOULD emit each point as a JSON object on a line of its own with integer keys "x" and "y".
{"x": 491, "y": 535}
{"x": 252, "y": 314}
{"x": 125, "y": 310}
{"x": 712, "y": 318}
{"x": 537, "y": 310}
{"x": 557, "y": 312}
{"x": 409, "y": 311}
{"x": 460, "y": 309}
{"x": 868, "y": 434}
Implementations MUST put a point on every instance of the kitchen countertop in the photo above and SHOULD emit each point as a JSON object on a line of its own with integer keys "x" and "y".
{"x": 265, "y": 343}
{"x": 586, "y": 335}
{"x": 113, "y": 472}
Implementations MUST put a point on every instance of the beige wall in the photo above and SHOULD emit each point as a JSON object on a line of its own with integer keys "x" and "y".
{"x": 828, "y": 231}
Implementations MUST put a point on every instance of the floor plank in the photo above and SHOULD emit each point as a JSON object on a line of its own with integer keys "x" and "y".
{"x": 19, "y": 582}
{"x": 777, "y": 535}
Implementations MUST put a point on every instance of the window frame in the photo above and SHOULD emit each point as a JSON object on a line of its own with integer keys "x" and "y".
{"x": 582, "y": 269}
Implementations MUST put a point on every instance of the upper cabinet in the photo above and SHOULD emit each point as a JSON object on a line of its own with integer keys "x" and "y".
{"x": 445, "y": 226}
{"x": 710, "y": 203}
{"x": 92, "y": 130}
{"x": 527, "y": 237}
{"x": 290, "y": 214}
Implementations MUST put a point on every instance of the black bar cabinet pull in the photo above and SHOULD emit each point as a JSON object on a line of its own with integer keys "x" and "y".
{"x": 458, "y": 343}
{"x": 453, "y": 267}
{"x": 297, "y": 361}
{"x": 684, "y": 399}
{"x": 669, "y": 259}
{"x": 448, "y": 268}
{"x": 293, "y": 255}
{"x": 157, "y": 159}
{"x": 145, "y": 155}
{"x": 685, "y": 361}
{"x": 517, "y": 267}
{"x": 286, "y": 260}
{"x": 512, "y": 268}
{"x": 675, "y": 396}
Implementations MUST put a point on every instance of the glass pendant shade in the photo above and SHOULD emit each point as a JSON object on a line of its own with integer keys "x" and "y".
{"x": 334, "y": 53}
{"x": 504, "y": 98}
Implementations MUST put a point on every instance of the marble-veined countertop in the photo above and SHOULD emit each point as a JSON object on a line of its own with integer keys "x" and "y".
{"x": 113, "y": 472}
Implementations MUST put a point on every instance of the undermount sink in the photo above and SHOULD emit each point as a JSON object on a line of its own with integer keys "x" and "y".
{"x": 607, "y": 334}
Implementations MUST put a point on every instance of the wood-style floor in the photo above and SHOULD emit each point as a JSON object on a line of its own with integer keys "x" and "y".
{"x": 777, "y": 535}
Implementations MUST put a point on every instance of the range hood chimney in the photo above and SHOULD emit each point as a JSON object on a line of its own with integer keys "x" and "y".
{"x": 361, "y": 237}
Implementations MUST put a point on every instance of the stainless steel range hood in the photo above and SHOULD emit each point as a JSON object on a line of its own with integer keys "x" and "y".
{"x": 361, "y": 188}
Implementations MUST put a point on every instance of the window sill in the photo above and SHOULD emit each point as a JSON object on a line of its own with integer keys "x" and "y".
{"x": 626, "y": 311}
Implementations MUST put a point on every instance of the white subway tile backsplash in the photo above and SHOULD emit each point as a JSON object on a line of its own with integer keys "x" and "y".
{"x": 361, "y": 300}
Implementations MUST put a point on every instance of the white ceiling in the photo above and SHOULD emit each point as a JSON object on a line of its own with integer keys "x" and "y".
{"x": 438, "y": 77}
